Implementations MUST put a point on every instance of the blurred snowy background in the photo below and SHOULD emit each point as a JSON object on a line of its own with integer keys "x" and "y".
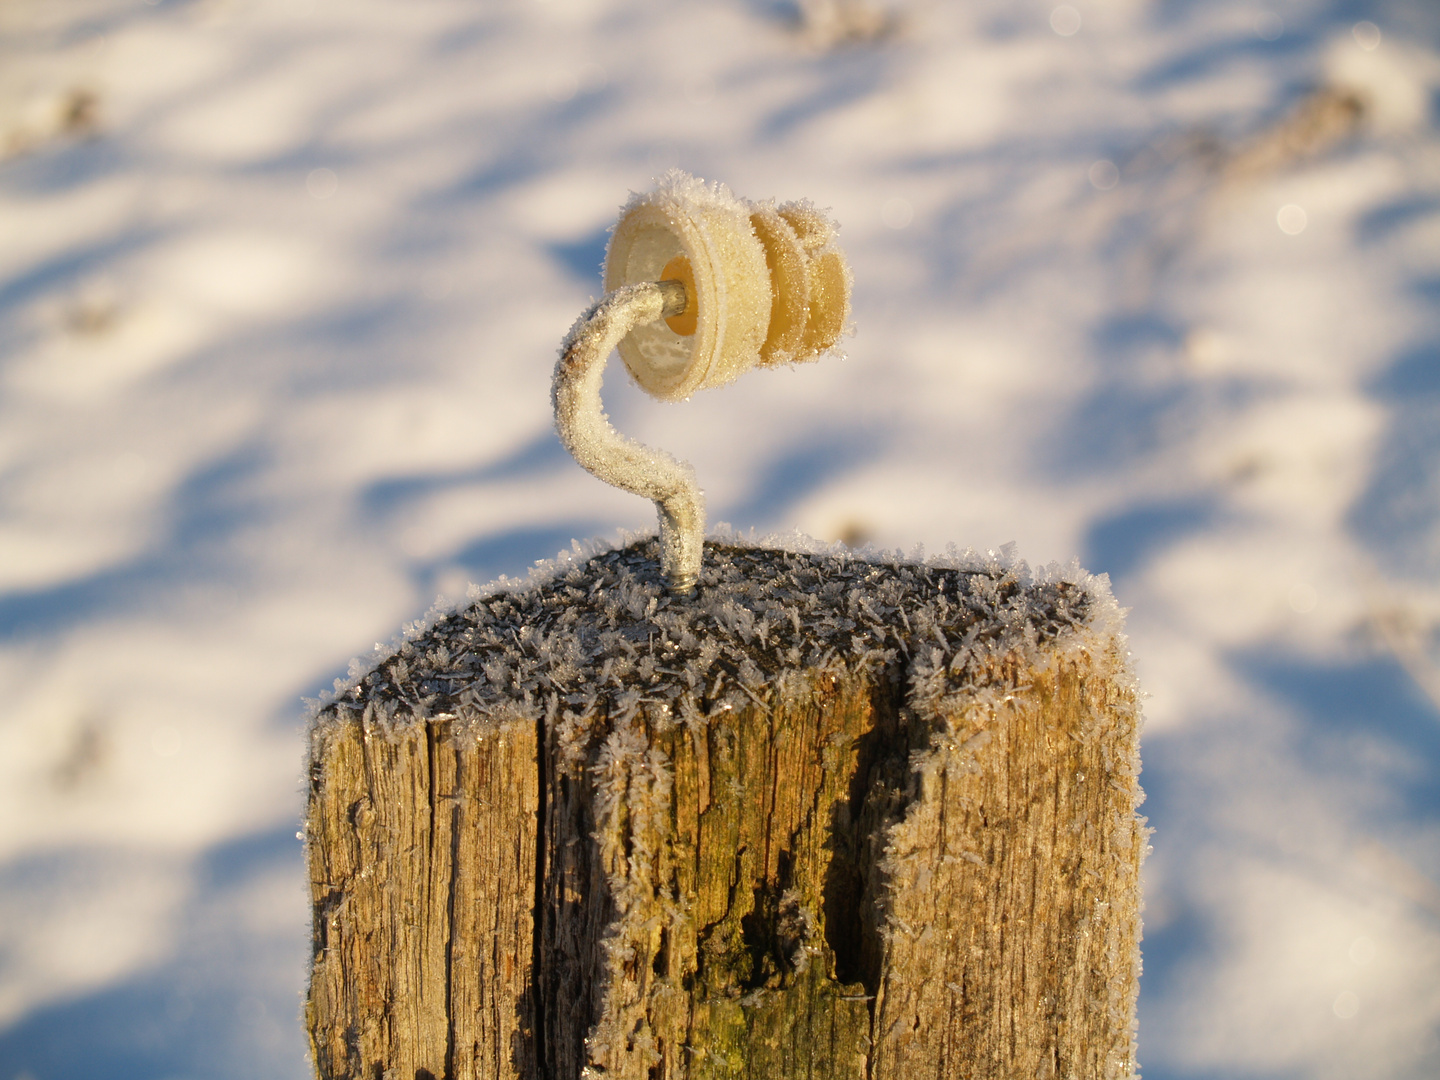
{"x": 1154, "y": 283}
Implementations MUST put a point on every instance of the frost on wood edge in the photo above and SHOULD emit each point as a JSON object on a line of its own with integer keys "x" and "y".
{"x": 726, "y": 607}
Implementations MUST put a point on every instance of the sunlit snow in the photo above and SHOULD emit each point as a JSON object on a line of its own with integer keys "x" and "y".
{"x": 1153, "y": 283}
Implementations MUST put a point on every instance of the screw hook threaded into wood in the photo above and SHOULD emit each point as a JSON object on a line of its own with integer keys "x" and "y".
{"x": 602, "y": 451}
{"x": 701, "y": 286}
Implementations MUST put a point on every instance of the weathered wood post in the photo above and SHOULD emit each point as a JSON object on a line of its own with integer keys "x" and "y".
{"x": 714, "y": 811}
{"x": 830, "y": 816}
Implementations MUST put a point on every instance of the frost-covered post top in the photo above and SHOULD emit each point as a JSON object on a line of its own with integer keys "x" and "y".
{"x": 700, "y": 286}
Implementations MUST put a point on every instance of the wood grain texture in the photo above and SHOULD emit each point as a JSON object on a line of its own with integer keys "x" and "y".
{"x": 900, "y": 842}
{"x": 1011, "y": 890}
{"x": 422, "y": 876}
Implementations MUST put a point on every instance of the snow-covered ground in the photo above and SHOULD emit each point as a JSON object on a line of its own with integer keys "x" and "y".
{"x": 1150, "y": 282}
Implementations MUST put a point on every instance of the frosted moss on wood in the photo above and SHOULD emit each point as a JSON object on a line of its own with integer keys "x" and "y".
{"x": 831, "y": 817}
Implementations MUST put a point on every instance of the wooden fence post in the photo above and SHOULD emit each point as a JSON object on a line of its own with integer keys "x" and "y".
{"x": 829, "y": 817}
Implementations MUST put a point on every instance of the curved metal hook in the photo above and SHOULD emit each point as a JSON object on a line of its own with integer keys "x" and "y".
{"x": 585, "y": 430}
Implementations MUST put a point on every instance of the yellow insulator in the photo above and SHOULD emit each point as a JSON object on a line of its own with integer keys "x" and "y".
{"x": 687, "y": 322}
{"x": 710, "y": 228}
{"x": 764, "y": 284}
{"x": 699, "y": 287}
{"x": 789, "y": 267}
{"x": 829, "y": 299}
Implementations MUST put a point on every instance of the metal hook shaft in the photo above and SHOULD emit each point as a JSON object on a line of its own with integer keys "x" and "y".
{"x": 586, "y": 432}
